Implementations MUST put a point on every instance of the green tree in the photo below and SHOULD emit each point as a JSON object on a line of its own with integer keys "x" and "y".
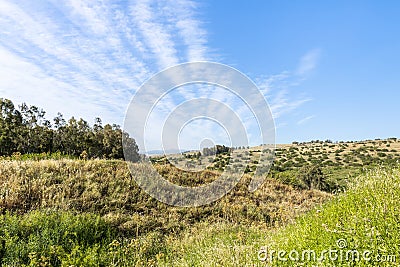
{"x": 27, "y": 131}
{"x": 10, "y": 127}
{"x": 313, "y": 178}
{"x": 131, "y": 150}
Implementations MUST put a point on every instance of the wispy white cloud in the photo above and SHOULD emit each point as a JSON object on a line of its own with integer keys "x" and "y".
{"x": 306, "y": 119}
{"x": 155, "y": 33}
{"x": 100, "y": 52}
{"x": 190, "y": 29}
{"x": 308, "y": 62}
{"x": 87, "y": 58}
{"x": 278, "y": 90}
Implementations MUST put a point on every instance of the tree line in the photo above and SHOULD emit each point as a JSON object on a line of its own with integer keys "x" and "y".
{"x": 26, "y": 130}
{"x": 218, "y": 149}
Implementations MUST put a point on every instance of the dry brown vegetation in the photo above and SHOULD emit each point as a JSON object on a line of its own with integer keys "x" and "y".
{"x": 68, "y": 212}
{"x": 106, "y": 187}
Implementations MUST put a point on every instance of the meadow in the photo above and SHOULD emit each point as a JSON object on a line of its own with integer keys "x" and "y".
{"x": 62, "y": 211}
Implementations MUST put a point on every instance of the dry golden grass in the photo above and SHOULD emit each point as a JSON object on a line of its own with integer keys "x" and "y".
{"x": 107, "y": 188}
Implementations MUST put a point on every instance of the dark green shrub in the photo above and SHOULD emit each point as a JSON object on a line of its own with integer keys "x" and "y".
{"x": 313, "y": 178}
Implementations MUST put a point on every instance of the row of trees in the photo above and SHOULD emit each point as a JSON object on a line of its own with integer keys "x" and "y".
{"x": 218, "y": 149}
{"x": 26, "y": 130}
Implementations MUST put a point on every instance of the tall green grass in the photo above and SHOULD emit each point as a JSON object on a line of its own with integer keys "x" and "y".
{"x": 359, "y": 227}
{"x": 44, "y": 238}
{"x": 365, "y": 219}
{"x": 38, "y": 156}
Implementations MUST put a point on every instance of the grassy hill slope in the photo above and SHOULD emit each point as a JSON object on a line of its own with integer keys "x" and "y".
{"x": 360, "y": 227}
{"x": 41, "y": 200}
{"x": 68, "y": 212}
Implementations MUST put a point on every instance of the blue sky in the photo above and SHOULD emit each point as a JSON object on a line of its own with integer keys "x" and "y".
{"x": 329, "y": 69}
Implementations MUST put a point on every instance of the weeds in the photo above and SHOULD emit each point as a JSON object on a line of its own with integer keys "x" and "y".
{"x": 68, "y": 212}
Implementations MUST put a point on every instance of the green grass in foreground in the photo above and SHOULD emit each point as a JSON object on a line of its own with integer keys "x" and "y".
{"x": 43, "y": 238}
{"x": 357, "y": 228}
{"x": 362, "y": 225}
{"x": 364, "y": 220}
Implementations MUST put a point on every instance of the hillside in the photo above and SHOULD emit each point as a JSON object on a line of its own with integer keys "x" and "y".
{"x": 323, "y": 153}
{"x": 76, "y": 212}
{"x": 361, "y": 226}
{"x": 38, "y": 191}
{"x": 358, "y": 228}
{"x": 337, "y": 162}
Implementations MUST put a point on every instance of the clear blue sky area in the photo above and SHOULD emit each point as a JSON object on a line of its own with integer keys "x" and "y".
{"x": 355, "y": 84}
